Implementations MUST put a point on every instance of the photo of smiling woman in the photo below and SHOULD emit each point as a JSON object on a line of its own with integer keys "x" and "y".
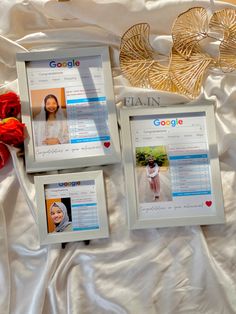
{"x": 60, "y": 217}
{"x": 50, "y": 127}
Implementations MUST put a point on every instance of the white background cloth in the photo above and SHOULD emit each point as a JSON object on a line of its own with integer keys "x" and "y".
{"x": 184, "y": 270}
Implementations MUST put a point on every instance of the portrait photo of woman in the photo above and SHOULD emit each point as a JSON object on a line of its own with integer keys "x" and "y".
{"x": 60, "y": 217}
{"x": 152, "y": 170}
{"x": 153, "y": 174}
{"x": 50, "y": 126}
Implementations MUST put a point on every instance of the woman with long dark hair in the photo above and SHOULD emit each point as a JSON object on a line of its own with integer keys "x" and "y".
{"x": 50, "y": 124}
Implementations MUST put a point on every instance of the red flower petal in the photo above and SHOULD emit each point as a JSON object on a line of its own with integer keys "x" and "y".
{"x": 9, "y": 105}
{"x": 12, "y": 132}
{"x": 4, "y": 155}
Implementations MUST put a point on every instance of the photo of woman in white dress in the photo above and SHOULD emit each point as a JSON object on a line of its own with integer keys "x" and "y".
{"x": 152, "y": 171}
{"x": 50, "y": 127}
{"x": 153, "y": 174}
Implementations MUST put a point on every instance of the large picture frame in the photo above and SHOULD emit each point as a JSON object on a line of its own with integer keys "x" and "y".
{"x": 171, "y": 166}
{"x": 68, "y": 108}
{"x": 71, "y": 207}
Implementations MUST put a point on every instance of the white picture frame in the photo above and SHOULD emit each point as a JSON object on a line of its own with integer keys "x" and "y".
{"x": 71, "y": 207}
{"x": 83, "y": 131}
{"x": 187, "y": 189}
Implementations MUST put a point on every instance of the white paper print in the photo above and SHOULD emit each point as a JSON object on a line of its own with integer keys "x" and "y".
{"x": 178, "y": 144}
{"x": 80, "y": 200}
{"x": 80, "y": 126}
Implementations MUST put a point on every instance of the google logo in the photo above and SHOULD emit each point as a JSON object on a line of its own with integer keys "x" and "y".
{"x": 173, "y": 122}
{"x": 69, "y": 183}
{"x": 64, "y": 64}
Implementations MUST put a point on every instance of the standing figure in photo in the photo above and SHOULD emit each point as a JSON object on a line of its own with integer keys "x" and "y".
{"x": 60, "y": 217}
{"x": 50, "y": 124}
{"x": 152, "y": 170}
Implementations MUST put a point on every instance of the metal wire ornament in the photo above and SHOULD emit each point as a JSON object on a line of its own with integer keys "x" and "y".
{"x": 188, "y": 30}
{"x": 187, "y": 62}
{"x": 137, "y": 55}
{"x": 224, "y": 22}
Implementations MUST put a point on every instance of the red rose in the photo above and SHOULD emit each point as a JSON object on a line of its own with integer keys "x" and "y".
{"x": 9, "y": 105}
{"x": 12, "y": 132}
{"x": 4, "y": 155}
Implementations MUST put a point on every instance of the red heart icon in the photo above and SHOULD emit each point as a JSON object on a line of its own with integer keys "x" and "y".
{"x": 208, "y": 203}
{"x": 107, "y": 144}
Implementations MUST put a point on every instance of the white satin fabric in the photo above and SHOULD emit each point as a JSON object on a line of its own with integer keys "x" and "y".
{"x": 185, "y": 270}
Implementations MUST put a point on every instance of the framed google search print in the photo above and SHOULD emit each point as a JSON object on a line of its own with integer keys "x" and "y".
{"x": 71, "y": 207}
{"x": 68, "y": 108}
{"x": 171, "y": 166}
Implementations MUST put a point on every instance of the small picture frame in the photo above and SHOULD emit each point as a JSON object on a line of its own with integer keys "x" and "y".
{"x": 68, "y": 108}
{"x": 71, "y": 207}
{"x": 171, "y": 166}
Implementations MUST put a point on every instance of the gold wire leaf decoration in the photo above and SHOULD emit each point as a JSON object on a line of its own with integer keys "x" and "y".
{"x": 136, "y": 55}
{"x": 160, "y": 77}
{"x": 138, "y": 36}
{"x": 134, "y": 63}
{"x": 181, "y": 76}
{"x": 227, "y": 59}
{"x": 142, "y": 70}
{"x": 187, "y": 63}
{"x": 142, "y": 29}
{"x": 224, "y": 21}
{"x": 188, "y": 75}
{"x": 188, "y": 29}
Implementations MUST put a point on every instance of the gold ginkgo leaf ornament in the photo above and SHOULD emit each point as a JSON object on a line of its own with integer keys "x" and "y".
{"x": 142, "y": 29}
{"x": 188, "y": 75}
{"x": 187, "y": 63}
{"x": 227, "y": 60}
{"x": 136, "y": 55}
{"x": 224, "y": 21}
{"x": 189, "y": 29}
{"x": 161, "y": 77}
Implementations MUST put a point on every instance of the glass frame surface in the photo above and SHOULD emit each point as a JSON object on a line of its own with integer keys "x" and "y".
{"x": 47, "y": 237}
{"x": 33, "y": 165}
{"x": 135, "y": 221}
